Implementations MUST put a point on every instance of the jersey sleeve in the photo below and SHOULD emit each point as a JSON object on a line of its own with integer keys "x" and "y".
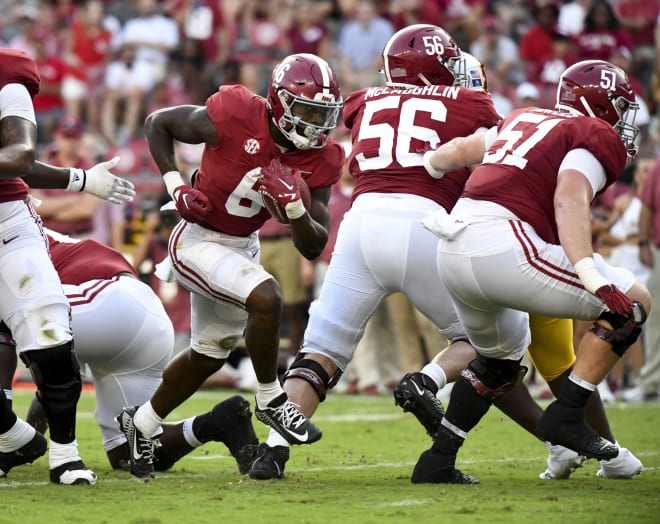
{"x": 16, "y": 67}
{"x": 230, "y": 106}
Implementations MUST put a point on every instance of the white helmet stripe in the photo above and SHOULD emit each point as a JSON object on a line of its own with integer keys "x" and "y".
{"x": 326, "y": 72}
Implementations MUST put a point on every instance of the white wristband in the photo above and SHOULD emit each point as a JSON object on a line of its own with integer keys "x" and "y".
{"x": 76, "y": 179}
{"x": 435, "y": 173}
{"x": 295, "y": 209}
{"x": 589, "y": 275}
{"x": 173, "y": 180}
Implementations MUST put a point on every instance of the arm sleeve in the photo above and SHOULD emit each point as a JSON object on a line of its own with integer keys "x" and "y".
{"x": 586, "y": 163}
{"x": 15, "y": 100}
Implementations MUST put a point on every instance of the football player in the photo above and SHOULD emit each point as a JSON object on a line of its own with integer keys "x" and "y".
{"x": 126, "y": 364}
{"x": 33, "y": 305}
{"x": 519, "y": 240}
{"x": 552, "y": 353}
{"x": 252, "y": 147}
{"x": 382, "y": 247}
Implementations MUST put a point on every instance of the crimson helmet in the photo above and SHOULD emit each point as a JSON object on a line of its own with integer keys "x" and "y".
{"x": 305, "y": 100}
{"x": 599, "y": 89}
{"x": 470, "y": 72}
{"x": 420, "y": 54}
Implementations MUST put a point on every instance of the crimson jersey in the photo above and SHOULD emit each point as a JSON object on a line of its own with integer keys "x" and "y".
{"x": 391, "y": 127}
{"x": 16, "y": 67}
{"x": 78, "y": 261}
{"x": 520, "y": 169}
{"x": 228, "y": 172}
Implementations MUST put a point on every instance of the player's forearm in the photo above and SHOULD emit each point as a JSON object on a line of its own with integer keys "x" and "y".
{"x": 309, "y": 237}
{"x": 161, "y": 143}
{"x": 574, "y": 228}
{"x": 45, "y": 176}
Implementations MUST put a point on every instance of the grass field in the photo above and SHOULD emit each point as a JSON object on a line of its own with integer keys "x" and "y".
{"x": 359, "y": 472}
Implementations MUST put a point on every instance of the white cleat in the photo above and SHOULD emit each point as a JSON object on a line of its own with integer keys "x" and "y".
{"x": 624, "y": 466}
{"x": 561, "y": 462}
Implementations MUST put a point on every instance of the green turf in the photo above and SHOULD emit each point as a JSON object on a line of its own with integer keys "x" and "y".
{"x": 357, "y": 473}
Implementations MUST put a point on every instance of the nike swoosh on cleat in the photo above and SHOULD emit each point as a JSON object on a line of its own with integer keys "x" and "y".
{"x": 136, "y": 456}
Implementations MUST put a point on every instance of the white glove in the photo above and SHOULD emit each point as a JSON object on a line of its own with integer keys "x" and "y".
{"x": 100, "y": 182}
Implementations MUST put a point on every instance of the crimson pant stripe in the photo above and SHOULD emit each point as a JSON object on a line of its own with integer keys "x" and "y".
{"x": 88, "y": 295}
{"x": 192, "y": 275}
{"x": 544, "y": 266}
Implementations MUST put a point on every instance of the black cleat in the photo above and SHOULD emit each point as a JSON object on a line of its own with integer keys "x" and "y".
{"x": 230, "y": 422}
{"x": 73, "y": 473}
{"x": 416, "y": 393}
{"x": 140, "y": 448}
{"x": 284, "y": 417}
{"x": 23, "y": 455}
{"x": 434, "y": 467}
{"x": 269, "y": 462}
{"x": 566, "y": 426}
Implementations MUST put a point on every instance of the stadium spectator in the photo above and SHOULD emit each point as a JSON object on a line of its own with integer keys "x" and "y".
{"x": 153, "y": 36}
{"x": 127, "y": 81}
{"x": 602, "y": 33}
{"x": 571, "y": 16}
{"x": 203, "y": 21}
{"x": 152, "y": 248}
{"x": 495, "y": 316}
{"x": 280, "y": 258}
{"x": 640, "y": 19}
{"x": 308, "y": 32}
{"x": 536, "y": 43}
{"x": 259, "y": 41}
{"x": 48, "y": 104}
{"x": 63, "y": 211}
{"x": 87, "y": 49}
{"x": 619, "y": 245}
{"x": 41, "y": 304}
{"x": 382, "y": 247}
{"x": 251, "y": 147}
{"x": 361, "y": 39}
{"x": 648, "y": 387}
{"x": 499, "y": 54}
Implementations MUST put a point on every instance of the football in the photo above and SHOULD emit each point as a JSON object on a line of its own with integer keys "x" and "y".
{"x": 277, "y": 211}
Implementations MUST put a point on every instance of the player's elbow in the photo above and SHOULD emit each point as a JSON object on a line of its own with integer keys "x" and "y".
{"x": 23, "y": 158}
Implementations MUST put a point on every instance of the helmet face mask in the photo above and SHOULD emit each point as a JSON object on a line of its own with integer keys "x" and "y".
{"x": 305, "y": 100}
{"x": 470, "y": 72}
{"x": 420, "y": 54}
{"x": 599, "y": 89}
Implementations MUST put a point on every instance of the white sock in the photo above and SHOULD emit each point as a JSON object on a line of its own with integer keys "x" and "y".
{"x": 436, "y": 373}
{"x": 18, "y": 435}
{"x": 267, "y": 392}
{"x": 59, "y": 454}
{"x": 275, "y": 439}
{"x": 188, "y": 433}
{"x": 148, "y": 421}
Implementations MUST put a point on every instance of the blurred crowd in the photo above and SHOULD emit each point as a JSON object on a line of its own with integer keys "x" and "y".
{"x": 105, "y": 65}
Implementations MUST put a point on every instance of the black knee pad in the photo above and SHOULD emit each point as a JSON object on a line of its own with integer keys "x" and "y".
{"x": 314, "y": 373}
{"x": 56, "y": 373}
{"x": 625, "y": 328}
{"x": 492, "y": 377}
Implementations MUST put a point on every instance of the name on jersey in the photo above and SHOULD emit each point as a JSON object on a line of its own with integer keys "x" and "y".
{"x": 440, "y": 91}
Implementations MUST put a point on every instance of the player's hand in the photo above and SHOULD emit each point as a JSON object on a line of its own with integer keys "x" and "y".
{"x": 100, "y": 182}
{"x": 192, "y": 205}
{"x": 280, "y": 182}
{"x": 615, "y": 300}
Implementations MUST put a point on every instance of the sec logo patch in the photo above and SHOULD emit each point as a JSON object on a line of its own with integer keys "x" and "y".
{"x": 251, "y": 146}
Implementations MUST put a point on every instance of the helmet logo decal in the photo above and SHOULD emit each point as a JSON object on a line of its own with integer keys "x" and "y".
{"x": 251, "y": 146}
